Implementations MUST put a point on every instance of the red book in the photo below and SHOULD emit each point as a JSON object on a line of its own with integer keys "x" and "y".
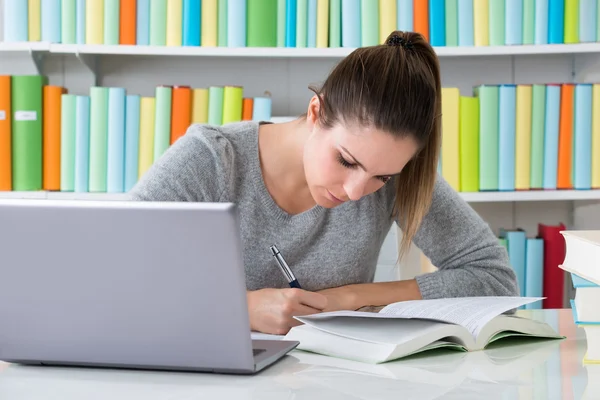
{"x": 554, "y": 255}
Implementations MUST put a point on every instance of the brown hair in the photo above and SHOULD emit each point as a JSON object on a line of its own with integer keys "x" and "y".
{"x": 394, "y": 87}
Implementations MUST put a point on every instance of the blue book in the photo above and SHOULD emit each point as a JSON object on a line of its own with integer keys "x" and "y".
{"x": 513, "y": 28}
{"x": 261, "y": 110}
{"x": 311, "y": 24}
{"x": 290, "y": 23}
{"x": 350, "y": 22}
{"x": 404, "y": 15}
{"x": 551, "y": 123}
{"x": 236, "y": 23}
{"x": 82, "y": 144}
{"x": 465, "y": 23}
{"x": 143, "y": 23}
{"x": 115, "y": 172}
{"x": 80, "y": 22}
{"x": 556, "y": 21}
{"x": 302, "y": 23}
{"x": 16, "y": 17}
{"x": 132, "y": 135}
{"x": 191, "y": 22}
{"x": 541, "y": 22}
{"x": 51, "y": 21}
{"x": 68, "y": 114}
{"x": 437, "y": 22}
{"x": 534, "y": 270}
{"x": 588, "y": 12}
{"x": 516, "y": 244}
{"x": 506, "y": 137}
{"x": 582, "y": 137}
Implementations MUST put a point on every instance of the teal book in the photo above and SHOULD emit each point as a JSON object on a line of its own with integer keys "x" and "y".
{"x": 538, "y": 107}
{"x": 516, "y": 240}
{"x": 506, "y": 137}
{"x": 451, "y": 16}
{"x": 534, "y": 270}
{"x": 497, "y": 22}
{"x": 488, "y": 136}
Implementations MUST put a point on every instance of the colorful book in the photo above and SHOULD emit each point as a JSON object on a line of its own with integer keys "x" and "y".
{"x": 469, "y": 144}
{"x": 132, "y": 140}
{"x": 523, "y": 137}
{"x": 290, "y": 23}
{"x": 534, "y": 270}
{"x": 302, "y": 24}
{"x": 142, "y": 31}
{"x": 541, "y": 22}
{"x": 68, "y": 20}
{"x": 127, "y": 22}
{"x": 481, "y": 34}
{"x": 94, "y": 22}
{"x": 147, "y": 122}
{"x": 538, "y": 111}
{"x": 68, "y": 131}
{"x": 556, "y": 21}
{"x": 16, "y": 16}
{"x": 497, "y": 22}
{"x": 191, "y": 22}
{"x": 82, "y": 144}
{"x": 111, "y": 21}
{"x": 115, "y": 164}
{"x": 98, "y": 138}
{"x": 323, "y": 23}
{"x": 181, "y": 112}
{"x": 565, "y": 137}
{"x": 437, "y": 22}
{"x": 451, "y": 22}
{"x": 516, "y": 242}
{"x": 405, "y": 15}
{"x": 506, "y": 137}
{"x": 262, "y": 29}
{"x": 162, "y": 122}
{"x": 588, "y": 12}
{"x": 34, "y": 23}
{"x": 80, "y": 24}
{"x": 465, "y": 23}
{"x": 369, "y": 23}
{"x": 158, "y": 22}
{"x": 222, "y": 6}
{"x": 236, "y": 23}
{"x": 335, "y": 23}
{"x": 595, "y": 135}
{"x": 582, "y": 137}
{"x": 451, "y": 136}
{"x": 528, "y": 22}
{"x": 488, "y": 136}
{"x": 51, "y": 136}
{"x": 350, "y": 20}
{"x": 5, "y": 134}
{"x": 311, "y": 25}
{"x": 551, "y": 133}
{"x": 421, "y": 18}
{"x": 174, "y": 26}
{"x": 51, "y": 24}
{"x": 388, "y": 13}
{"x": 571, "y": 26}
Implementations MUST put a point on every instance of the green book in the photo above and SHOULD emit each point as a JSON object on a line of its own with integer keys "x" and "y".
{"x": 98, "y": 138}
{"x": 538, "y": 107}
{"x": 488, "y": 136}
{"x": 571, "y": 21}
{"x": 222, "y": 23}
{"x": 68, "y": 19}
{"x": 451, "y": 8}
{"x": 528, "y": 21}
{"x": 301, "y": 23}
{"x": 281, "y": 4}
{"x": 262, "y": 26}
{"x": 67, "y": 142}
{"x": 216, "y": 96}
{"x": 158, "y": 22}
{"x": 162, "y": 121}
{"x": 469, "y": 144}
{"x": 496, "y": 22}
{"x": 26, "y": 104}
{"x": 111, "y": 21}
{"x": 335, "y": 23}
{"x": 369, "y": 20}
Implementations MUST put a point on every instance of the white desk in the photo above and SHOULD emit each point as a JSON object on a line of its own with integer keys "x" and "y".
{"x": 536, "y": 370}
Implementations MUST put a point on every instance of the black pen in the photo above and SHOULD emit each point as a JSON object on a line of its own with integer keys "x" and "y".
{"x": 285, "y": 269}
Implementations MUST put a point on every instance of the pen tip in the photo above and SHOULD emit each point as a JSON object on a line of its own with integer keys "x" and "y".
{"x": 274, "y": 250}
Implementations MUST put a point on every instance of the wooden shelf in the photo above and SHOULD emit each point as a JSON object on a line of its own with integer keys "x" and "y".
{"x": 476, "y": 197}
{"x": 285, "y": 52}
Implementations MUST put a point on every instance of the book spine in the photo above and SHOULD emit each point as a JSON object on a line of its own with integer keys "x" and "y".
{"x": 538, "y": 107}
{"x": 571, "y": 26}
{"x": 335, "y": 23}
{"x": 541, "y": 22}
{"x": 222, "y": 23}
{"x": 98, "y": 138}
{"x": 34, "y": 24}
{"x": 488, "y": 137}
{"x": 132, "y": 139}
{"x": 181, "y": 111}
{"x": 51, "y": 135}
{"x": 236, "y": 23}
{"x": 174, "y": 24}
{"x": 162, "y": 123}
{"x": 290, "y": 23}
{"x": 82, "y": 144}
{"x": 200, "y": 106}
{"x": 191, "y": 22}
{"x": 215, "y": 105}
{"x": 115, "y": 166}
{"x": 528, "y": 22}
{"x": 369, "y": 23}
{"x": 587, "y": 20}
{"x": 469, "y": 144}
{"x": 481, "y": 32}
{"x": 232, "y": 104}
{"x": 506, "y": 136}
{"x": 142, "y": 32}
{"x": 582, "y": 137}
{"x": 147, "y": 121}
{"x": 281, "y": 27}
{"x": 450, "y": 138}
{"x": 497, "y": 22}
{"x": 111, "y": 22}
{"x": 556, "y": 21}
{"x": 68, "y": 18}
{"x": 437, "y": 22}
{"x": 94, "y": 22}
{"x": 247, "y": 106}
{"x": 158, "y": 22}
{"x": 81, "y": 22}
{"x": 405, "y": 15}
{"x": 465, "y": 23}
{"x": 595, "y": 135}
{"x": 451, "y": 21}
{"x": 67, "y": 142}
{"x": 551, "y": 131}
{"x": 311, "y": 29}
{"x": 127, "y": 22}
{"x": 534, "y": 270}
{"x": 301, "y": 23}
{"x": 514, "y": 22}
{"x": 51, "y": 25}
{"x": 262, "y": 109}
{"x": 388, "y": 14}
{"x": 5, "y": 134}
{"x": 565, "y": 137}
{"x": 16, "y": 17}
{"x": 421, "y": 18}
{"x": 322, "y": 23}
{"x": 523, "y": 138}
{"x": 262, "y": 20}
{"x": 350, "y": 22}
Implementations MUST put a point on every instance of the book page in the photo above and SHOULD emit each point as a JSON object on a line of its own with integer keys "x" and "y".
{"x": 471, "y": 312}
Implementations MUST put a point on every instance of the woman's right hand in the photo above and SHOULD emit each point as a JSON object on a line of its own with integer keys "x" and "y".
{"x": 272, "y": 310}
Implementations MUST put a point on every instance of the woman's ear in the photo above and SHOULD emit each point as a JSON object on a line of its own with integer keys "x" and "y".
{"x": 312, "y": 114}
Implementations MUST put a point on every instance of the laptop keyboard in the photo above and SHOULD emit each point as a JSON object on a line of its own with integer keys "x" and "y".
{"x": 258, "y": 351}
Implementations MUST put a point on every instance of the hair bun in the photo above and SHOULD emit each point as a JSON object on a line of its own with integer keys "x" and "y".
{"x": 397, "y": 40}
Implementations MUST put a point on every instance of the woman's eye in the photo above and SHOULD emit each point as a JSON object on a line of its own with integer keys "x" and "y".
{"x": 345, "y": 163}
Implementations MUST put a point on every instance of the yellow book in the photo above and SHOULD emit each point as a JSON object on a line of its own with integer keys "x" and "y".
{"x": 34, "y": 8}
{"x": 523, "y": 138}
{"x": 200, "y": 106}
{"x": 323, "y": 23}
{"x": 94, "y": 22}
{"x": 174, "y": 27}
{"x": 480, "y": 21}
{"x": 450, "y": 136}
{"x": 596, "y": 136}
{"x": 146, "y": 146}
{"x": 387, "y": 18}
{"x": 208, "y": 23}
{"x": 232, "y": 104}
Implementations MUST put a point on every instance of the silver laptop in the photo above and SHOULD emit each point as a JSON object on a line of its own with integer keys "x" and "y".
{"x": 126, "y": 284}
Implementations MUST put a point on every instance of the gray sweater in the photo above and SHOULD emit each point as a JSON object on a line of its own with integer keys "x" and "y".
{"x": 324, "y": 247}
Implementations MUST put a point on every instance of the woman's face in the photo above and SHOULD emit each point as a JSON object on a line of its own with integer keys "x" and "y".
{"x": 346, "y": 162}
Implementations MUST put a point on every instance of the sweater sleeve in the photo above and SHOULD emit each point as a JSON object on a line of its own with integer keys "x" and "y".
{"x": 194, "y": 169}
{"x": 470, "y": 259}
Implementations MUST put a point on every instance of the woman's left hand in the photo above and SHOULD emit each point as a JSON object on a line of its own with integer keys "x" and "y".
{"x": 340, "y": 298}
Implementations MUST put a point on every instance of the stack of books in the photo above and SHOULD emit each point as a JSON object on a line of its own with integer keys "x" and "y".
{"x": 582, "y": 261}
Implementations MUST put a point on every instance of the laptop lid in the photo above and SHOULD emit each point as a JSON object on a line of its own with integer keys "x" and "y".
{"x": 136, "y": 284}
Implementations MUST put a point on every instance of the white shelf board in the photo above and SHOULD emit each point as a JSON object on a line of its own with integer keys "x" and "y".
{"x": 475, "y": 197}
{"x": 285, "y": 52}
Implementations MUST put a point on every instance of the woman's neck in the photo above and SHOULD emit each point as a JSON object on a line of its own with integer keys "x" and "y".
{"x": 281, "y": 150}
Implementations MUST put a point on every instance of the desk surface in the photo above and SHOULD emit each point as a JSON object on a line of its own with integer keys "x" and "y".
{"x": 531, "y": 370}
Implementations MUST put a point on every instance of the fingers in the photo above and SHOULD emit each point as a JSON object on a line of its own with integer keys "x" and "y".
{"x": 313, "y": 300}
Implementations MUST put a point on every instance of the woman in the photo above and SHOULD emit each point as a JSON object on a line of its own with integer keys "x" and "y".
{"x": 325, "y": 188}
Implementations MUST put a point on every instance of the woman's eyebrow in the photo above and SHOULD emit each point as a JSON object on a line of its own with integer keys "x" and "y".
{"x": 361, "y": 165}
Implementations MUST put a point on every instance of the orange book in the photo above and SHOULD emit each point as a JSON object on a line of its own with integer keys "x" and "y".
{"x": 51, "y": 115}
{"x": 127, "y": 24}
{"x": 565, "y": 137}
{"x": 181, "y": 111}
{"x": 247, "y": 108}
{"x": 5, "y": 134}
{"x": 421, "y": 17}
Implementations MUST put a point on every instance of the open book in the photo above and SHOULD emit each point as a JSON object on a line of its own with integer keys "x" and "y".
{"x": 409, "y": 327}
